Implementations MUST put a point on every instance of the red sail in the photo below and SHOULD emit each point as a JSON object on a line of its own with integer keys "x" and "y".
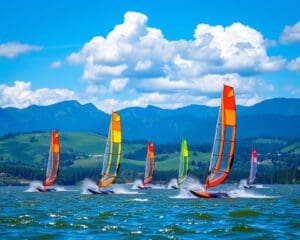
{"x": 150, "y": 164}
{"x": 225, "y": 138}
{"x": 53, "y": 161}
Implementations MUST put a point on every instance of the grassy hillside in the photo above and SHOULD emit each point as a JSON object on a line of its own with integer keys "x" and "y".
{"x": 80, "y": 150}
{"x": 25, "y": 156}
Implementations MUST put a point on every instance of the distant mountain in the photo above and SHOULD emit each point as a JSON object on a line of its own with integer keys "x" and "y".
{"x": 66, "y": 116}
{"x": 273, "y": 118}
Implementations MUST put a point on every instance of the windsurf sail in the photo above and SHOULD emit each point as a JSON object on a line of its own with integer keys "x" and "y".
{"x": 150, "y": 164}
{"x": 183, "y": 162}
{"x": 112, "y": 154}
{"x": 224, "y": 142}
{"x": 53, "y": 160}
{"x": 253, "y": 167}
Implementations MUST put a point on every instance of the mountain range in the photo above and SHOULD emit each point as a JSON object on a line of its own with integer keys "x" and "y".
{"x": 279, "y": 117}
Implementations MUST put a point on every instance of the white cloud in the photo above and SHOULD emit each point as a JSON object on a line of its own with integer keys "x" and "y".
{"x": 210, "y": 83}
{"x": 13, "y": 49}
{"x": 143, "y": 65}
{"x": 175, "y": 73}
{"x": 21, "y": 95}
{"x": 290, "y": 34}
{"x": 240, "y": 47}
{"x": 134, "y": 50}
{"x": 294, "y": 65}
{"x": 118, "y": 84}
{"x": 55, "y": 64}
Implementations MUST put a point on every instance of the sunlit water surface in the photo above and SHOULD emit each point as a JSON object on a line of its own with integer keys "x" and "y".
{"x": 267, "y": 212}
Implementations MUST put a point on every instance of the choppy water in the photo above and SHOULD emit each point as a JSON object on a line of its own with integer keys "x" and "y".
{"x": 264, "y": 213}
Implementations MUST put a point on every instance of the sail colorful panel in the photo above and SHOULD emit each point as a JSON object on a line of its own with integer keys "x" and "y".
{"x": 150, "y": 164}
{"x": 253, "y": 168}
{"x": 183, "y": 162}
{"x": 224, "y": 143}
{"x": 53, "y": 160}
{"x": 112, "y": 154}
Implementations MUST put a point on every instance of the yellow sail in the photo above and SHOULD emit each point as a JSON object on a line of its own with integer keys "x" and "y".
{"x": 112, "y": 154}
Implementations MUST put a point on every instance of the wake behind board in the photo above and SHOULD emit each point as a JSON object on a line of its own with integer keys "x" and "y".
{"x": 100, "y": 192}
{"x": 46, "y": 189}
{"x": 143, "y": 187}
{"x": 210, "y": 194}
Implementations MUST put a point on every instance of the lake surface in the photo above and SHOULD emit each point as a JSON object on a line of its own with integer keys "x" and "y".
{"x": 265, "y": 213}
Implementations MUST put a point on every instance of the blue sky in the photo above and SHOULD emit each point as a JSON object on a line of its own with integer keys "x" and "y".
{"x": 119, "y": 54}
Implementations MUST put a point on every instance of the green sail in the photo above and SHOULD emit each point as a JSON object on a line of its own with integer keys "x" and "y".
{"x": 183, "y": 162}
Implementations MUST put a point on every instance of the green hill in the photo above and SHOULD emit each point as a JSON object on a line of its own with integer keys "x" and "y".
{"x": 80, "y": 152}
{"x": 25, "y": 156}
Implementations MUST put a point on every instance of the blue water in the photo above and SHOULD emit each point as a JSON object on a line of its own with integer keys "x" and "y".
{"x": 264, "y": 213}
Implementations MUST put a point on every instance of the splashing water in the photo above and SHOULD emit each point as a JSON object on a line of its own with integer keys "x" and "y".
{"x": 137, "y": 183}
{"x": 242, "y": 193}
{"x": 243, "y": 183}
{"x": 140, "y": 199}
{"x": 88, "y": 184}
{"x": 157, "y": 186}
{"x": 118, "y": 189}
{"x": 173, "y": 184}
{"x": 186, "y": 186}
{"x": 34, "y": 185}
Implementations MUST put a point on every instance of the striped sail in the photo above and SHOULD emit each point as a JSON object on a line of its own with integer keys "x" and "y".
{"x": 53, "y": 160}
{"x": 253, "y": 167}
{"x": 112, "y": 154}
{"x": 183, "y": 162}
{"x": 150, "y": 164}
{"x": 224, "y": 142}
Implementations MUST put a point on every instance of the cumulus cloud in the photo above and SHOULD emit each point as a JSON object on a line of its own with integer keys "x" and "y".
{"x": 21, "y": 95}
{"x": 13, "y": 49}
{"x": 55, "y": 64}
{"x": 135, "y": 56}
{"x": 294, "y": 65}
{"x": 132, "y": 47}
{"x": 210, "y": 83}
{"x": 118, "y": 84}
{"x": 290, "y": 34}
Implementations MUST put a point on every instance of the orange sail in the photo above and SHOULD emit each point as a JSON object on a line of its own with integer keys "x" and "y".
{"x": 150, "y": 164}
{"x": 112, "y": 154}
{"x": 224, "y": 143}
{"x": 53, "y": 160}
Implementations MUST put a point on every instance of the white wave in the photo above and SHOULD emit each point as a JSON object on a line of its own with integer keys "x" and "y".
{"x": 243, "y": 184}
{"x": 34, "y": 185}
{"x": 140, "y": 199}
{"x": 259, "y": 186}
{"x": 156, "y": 186}
{"x": 241, "y": 193}
{"x": 61, "y": 189}
{"x": 137, "y": 183}
{"x": 88, "y": 184}
{"x": 119, "y": 189}
{"x": 186, "y": 186}
{"x": 172, "y": 183}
